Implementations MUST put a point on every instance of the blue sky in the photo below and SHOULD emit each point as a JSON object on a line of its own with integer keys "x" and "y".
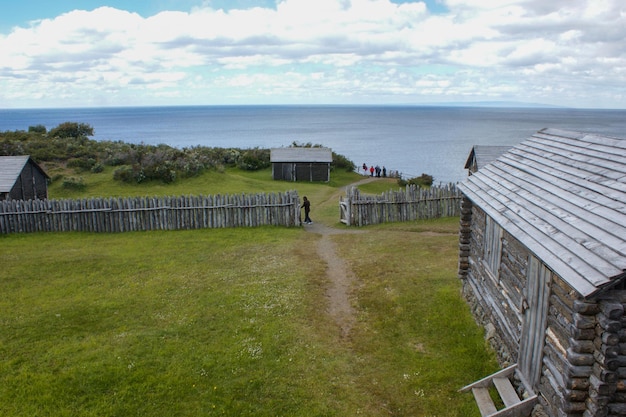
{"x": 176, "y": 52}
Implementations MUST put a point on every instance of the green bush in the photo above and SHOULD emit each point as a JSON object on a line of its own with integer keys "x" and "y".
{"x": 41, "y": 129}
{"x": 84, "y": 164}
{"x": 129, "y": 174}
{"x": 56, "y": 177}
{"x": 74, "y": 183}
{"x": 69, "y": 143}
{"x": 97, "y": 167}
{"x": 72, "y": 130}
{"x": 341, "y": 162}
{"x": 423, "y": 180}
{"x": 254, "y": 159}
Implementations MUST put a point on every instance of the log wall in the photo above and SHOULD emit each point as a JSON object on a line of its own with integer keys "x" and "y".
{"x": 495, "y": 300}
{"x": 584, "y": 355}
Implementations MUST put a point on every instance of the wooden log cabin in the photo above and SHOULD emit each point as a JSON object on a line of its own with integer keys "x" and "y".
{"x": 301, "y": 164}
{"x": 543, "y": 265}
{"x": 22, "y": 179}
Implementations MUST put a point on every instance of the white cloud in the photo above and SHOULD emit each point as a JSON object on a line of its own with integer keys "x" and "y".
{"x": 327, "y": 50}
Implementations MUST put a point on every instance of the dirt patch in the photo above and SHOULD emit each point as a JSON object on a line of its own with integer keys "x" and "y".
{"x": 340, "y": 279}
{"x": 340, "y": 276}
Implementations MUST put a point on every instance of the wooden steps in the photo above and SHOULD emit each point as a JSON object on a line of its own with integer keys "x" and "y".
{"x": 501, "y": 380}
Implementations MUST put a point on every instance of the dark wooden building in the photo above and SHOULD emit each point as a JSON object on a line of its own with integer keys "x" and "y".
{"x": 543, "y": 265}
{"x": 301, "y": 164}
{"x": 481, "y": 155}
{"x": 22, "y": 179}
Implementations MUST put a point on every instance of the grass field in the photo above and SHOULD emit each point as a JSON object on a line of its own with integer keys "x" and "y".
{"x": 232, "y": 321}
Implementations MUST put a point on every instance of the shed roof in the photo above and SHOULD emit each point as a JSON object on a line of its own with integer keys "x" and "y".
{"x": 563, "y": 195}
{"x": 484, "y": 155}
{"x": 299, "y": 154}
{"x": 11, "y": 168}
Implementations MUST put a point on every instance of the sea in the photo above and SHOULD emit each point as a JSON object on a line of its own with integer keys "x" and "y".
{"x": 409, "y": 140}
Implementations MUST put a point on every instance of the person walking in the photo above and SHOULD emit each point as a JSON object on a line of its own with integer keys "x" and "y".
{"x": 307, "y": 209}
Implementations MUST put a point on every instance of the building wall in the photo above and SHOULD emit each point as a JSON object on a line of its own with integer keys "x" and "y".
{"x": 300, "y": 171}
{"x": 494, "y": 300}
{"x": 584, "y": 355}
{"x": 282, "y": 171}
{"x": 31, "y": 184}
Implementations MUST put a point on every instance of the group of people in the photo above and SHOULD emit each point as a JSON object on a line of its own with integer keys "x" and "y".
{"x": 374, "y": 170}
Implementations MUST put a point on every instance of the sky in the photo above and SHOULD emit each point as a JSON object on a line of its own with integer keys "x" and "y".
{"x": 94, "y": 53}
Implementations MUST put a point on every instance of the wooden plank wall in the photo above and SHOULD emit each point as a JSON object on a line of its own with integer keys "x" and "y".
{"x": 412, "y": 203}
{"x": 149, "y": 213}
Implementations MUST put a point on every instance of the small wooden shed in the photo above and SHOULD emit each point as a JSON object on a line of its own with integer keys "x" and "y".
{"x": 301, "y": 164}
{"x": 481, "y": 155}
{"x": 21, "y": 178}
{"x": 543, "y": 265}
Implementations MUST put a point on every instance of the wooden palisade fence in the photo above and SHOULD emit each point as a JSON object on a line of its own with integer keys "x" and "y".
{"x": 413, "y": 203}
{"x": 149, "y": 213}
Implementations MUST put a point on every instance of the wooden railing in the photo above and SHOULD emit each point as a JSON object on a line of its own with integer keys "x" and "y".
{"x": 149, "y": 213}
{"x": 413, "y": 203}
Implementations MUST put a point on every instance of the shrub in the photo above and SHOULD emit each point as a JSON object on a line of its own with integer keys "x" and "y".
{"x": 341, "y": 162}
{"x": 97, "y": 167}
{"x": 423, "y": 180}
{"x": 84, "y": 164}
{"x": 74, "y": 183}
{"x": 68, "y": 144}
{"x": 72, "y": 130}
{"x": 254, "y": 159}
{"x": 129, "y": 174}
{"x": 56, "y": 177}
{"x": 41, "y": 129}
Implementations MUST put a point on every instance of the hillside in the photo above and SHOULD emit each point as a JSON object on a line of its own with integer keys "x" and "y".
{"x": 319, "y": 320}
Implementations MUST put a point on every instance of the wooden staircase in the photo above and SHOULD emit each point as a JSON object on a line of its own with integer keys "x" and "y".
{"x": 501, "y": 380}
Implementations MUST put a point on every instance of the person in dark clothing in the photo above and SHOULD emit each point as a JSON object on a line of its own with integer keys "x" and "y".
{"x": 307, "y": 208}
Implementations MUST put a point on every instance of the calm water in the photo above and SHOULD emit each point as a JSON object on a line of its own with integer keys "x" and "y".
{"x": 411, "y": 140}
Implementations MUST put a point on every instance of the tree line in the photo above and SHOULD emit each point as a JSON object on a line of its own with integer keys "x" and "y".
{"x": 69, "y": 144}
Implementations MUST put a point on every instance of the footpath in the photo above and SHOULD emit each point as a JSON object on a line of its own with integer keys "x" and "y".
{"x": 339, "y": 274}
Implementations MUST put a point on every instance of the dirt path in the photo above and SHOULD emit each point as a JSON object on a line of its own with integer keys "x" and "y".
{"x": 339, "y": 274}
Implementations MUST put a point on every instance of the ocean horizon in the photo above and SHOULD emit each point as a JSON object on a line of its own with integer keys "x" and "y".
{"x": 411, "y": 140}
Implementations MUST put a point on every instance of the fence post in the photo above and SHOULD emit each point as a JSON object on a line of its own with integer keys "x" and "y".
{"x": 150, "y": 213}
{"x": 413, "y": 203}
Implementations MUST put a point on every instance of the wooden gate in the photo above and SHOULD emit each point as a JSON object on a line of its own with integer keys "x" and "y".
{"x": 344, "y": 212}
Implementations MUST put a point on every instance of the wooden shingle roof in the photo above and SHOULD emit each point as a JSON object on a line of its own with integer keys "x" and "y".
{"x": 11, "y": 168}
{"x": 563, "y": 195}
{"x": 481, "y": 155}
{"x": 300, "y": 154}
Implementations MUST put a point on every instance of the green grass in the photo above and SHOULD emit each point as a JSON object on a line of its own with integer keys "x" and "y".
{"x": 416, "y": 332}
{"x": 229, "y": 181}
{"x": 182, "y": 323}
{"x": 231, "y": 321}
{"x": 380, "y": 185}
